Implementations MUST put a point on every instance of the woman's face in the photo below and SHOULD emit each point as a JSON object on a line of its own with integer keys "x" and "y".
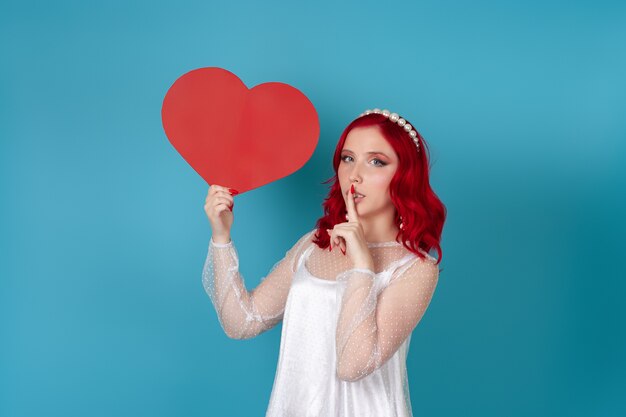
{"x": 369, "y": 162}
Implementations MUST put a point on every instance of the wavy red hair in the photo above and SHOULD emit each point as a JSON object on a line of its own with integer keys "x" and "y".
{"x": 423, "y": 214}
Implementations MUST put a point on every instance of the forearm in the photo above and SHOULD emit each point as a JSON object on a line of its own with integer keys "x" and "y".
{"x": 225, "y": 287}
{"x": 356, "y": 325}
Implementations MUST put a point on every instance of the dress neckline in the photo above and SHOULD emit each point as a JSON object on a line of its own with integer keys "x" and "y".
{"x": 379, "y": 244}
{"x": 307, "y": 252}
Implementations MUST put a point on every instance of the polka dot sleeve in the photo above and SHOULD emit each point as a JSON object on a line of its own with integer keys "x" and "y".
{"x": 243, "y": 314}
{"x": 374, "y": 320}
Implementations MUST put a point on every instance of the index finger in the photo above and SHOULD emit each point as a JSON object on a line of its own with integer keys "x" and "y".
{"x": 353, "y": 216}
{"x": 214, "y": 188}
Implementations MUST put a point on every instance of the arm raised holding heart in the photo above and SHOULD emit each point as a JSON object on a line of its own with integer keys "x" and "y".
{"x": 218, "y": 207}
{"x": 350, "y": 236}
{"x": 243, "y": 314}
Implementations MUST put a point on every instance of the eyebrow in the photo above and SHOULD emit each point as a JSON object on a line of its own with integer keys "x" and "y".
{"x": 370, "y": 153}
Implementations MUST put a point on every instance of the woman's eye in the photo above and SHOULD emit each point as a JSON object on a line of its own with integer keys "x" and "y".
{"x": 379, "y": 164}
{"x": 382, "y": 164}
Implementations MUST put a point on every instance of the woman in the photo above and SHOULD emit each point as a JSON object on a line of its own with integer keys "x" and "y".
{"x": 350, "y": 291}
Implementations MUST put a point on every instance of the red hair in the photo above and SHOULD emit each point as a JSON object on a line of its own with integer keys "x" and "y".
{"x": 423, "y": 214}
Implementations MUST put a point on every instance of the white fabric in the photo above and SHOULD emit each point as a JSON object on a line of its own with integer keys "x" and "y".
{"x": 346, "y": 331}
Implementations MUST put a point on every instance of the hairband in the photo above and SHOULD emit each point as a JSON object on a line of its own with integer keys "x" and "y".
{"x": 394, "y": 117}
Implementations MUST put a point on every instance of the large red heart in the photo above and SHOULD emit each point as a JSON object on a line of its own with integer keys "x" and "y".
{"x": 238, "y": 137}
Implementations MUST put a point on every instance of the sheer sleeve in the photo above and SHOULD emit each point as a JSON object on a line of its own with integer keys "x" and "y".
{"x": 372, "y": 322}
{"x": 244, "y": 314}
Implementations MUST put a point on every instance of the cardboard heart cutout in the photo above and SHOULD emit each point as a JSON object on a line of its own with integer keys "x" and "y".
{"x": 238, "y": 137}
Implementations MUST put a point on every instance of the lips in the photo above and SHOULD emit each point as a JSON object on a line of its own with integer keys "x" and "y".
{"x": 356, "y": 192}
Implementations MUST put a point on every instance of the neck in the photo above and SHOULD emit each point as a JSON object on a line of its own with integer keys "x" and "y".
{"x": 380, "y": 227}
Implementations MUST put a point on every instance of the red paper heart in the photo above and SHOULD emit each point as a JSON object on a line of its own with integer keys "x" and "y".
{"x": 238, "y": 137}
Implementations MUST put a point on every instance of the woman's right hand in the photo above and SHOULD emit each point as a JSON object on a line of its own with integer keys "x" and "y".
{"x": 218, "y": 208}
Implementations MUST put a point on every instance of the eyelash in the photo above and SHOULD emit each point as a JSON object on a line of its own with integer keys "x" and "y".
{"x": 382, "y": 164}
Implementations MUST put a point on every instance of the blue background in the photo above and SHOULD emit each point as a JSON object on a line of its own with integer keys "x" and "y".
{"x": 103, "y": 230}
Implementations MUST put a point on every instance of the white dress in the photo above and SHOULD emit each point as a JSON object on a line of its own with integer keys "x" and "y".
{"x": 346, "y": 331}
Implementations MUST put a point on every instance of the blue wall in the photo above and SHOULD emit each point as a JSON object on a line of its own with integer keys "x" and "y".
{"x": 103, "y": 231}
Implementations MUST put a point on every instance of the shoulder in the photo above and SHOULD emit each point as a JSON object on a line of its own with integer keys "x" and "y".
{"x": 428, "y": 257}
{"x": 412, "y": 267}
{"x": 304, "y": 240}
{"x": 426, "y": 268}
{"x": 409, "y": 257}
{"x": 308, "y": 236}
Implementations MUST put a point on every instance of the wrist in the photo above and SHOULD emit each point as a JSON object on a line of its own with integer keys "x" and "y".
{"x": 364, "y": 265}
{"x": 221, "y": 239}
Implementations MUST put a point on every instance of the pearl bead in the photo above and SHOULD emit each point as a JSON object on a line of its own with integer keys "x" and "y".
{"x": 395, "y": 117}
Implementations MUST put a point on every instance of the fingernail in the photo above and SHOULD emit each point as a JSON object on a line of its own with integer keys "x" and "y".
{"x": 352, "y": 188}
{"x": 344, "y": 252}
{"x": 232, "y": 191}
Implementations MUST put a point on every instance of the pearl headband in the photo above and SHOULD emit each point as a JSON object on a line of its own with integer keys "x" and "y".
{"x": 394, "y": 117}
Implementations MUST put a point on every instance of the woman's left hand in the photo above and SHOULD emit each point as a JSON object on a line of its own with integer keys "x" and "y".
{"x": 350, "y": 237}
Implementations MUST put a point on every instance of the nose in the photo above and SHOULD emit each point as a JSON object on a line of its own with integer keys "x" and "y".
{"x": 355, "y": 175}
